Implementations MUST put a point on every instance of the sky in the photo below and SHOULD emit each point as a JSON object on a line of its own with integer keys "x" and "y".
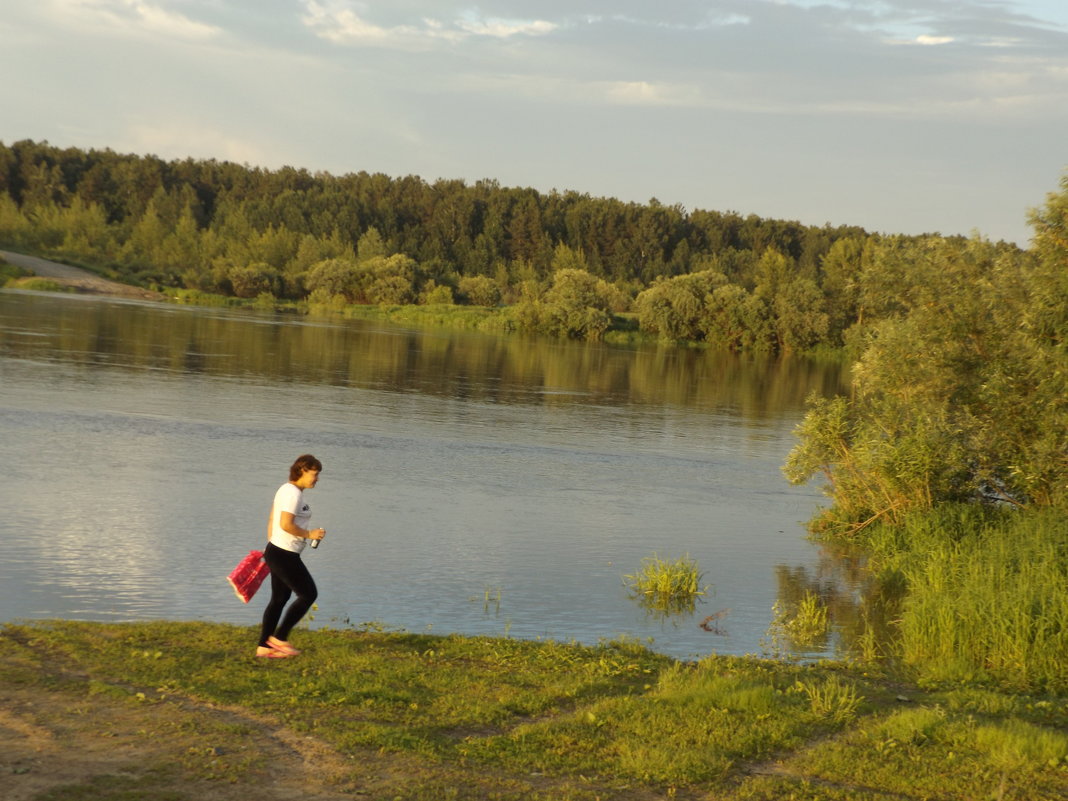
{"x": 899, "y": 116}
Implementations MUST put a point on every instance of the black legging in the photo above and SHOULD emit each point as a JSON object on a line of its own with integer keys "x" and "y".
{"x": 288, "y": 576}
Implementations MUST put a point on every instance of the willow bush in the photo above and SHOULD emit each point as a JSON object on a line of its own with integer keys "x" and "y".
{"x": 960, "y": 391}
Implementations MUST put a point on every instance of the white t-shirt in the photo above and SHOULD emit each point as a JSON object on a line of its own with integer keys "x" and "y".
{"x": 289, "y": 498}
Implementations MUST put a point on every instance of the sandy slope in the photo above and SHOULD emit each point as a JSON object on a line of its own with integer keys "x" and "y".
{"x": 77, "y": 278}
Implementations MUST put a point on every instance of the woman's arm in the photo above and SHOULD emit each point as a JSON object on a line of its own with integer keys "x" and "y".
{"x": 289, "y": 525}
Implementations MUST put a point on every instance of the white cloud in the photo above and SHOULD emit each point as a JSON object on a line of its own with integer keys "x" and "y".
{"x": 644, "y": 93}
{"x": 502, "y": 29}
{"x": 926, "y": 39}
{"x": 132, "y": 16}
{"x": 723, "y": 20}
{"x": 338, "y": 22}
{"x": 181, "y": 136}
{"x": 341, "y": 24}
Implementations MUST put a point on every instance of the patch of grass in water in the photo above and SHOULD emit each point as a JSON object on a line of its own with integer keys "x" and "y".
{"x": 667, "y": 587}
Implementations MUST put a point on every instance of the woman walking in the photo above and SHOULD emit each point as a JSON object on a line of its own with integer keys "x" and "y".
{"x": 287, "y": 534}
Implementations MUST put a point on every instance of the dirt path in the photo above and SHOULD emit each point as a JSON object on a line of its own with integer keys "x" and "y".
{"x": 51, "y": 741}
{"x": 78, "y": 279}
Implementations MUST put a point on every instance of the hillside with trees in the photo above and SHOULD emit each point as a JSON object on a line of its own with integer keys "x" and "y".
{"x": 565, "y": 263}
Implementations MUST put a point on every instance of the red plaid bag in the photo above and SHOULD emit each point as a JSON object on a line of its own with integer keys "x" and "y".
{"x": 249, "y": 574}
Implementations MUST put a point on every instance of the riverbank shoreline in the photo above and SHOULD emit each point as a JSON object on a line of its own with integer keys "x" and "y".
{"x": 184, "y": 711}
{"x": 77, "y": 279}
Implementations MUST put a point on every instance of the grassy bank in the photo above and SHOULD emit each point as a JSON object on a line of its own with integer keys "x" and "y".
{"x": 986, "y": 594}
{"x": 402, "y": 716}
{"x": 491, "y": 320}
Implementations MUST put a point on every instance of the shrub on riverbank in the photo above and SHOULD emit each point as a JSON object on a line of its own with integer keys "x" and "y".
{"x": 9, "y": 273}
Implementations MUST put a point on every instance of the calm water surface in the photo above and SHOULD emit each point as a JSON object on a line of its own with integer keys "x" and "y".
{"x": 472, "y": 484}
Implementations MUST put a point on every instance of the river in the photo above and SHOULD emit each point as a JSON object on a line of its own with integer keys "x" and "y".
{"x": 473, "y": 484}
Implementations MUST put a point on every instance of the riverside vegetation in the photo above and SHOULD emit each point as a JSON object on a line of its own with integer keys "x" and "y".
{"x": 483, "y": 256}
{"x": 946, "y": 466}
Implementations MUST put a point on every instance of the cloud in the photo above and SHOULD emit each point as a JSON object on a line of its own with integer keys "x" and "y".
{"x": 132, "y": 16}
{"x": 927, "y": 39}
{"x": 181, "y": 136}
{"x": 502, "y": 29}
{"x": 645, "y": 93}
{"x": 338, "y": 22}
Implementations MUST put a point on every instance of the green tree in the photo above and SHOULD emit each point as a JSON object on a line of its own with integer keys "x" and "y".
{"x": 254, "y": 280}
{"x": 674, "y": 308}
{"x": 840, "y": 269}
{"x": 800, "y": 315}
{"x": 390, "y": 280}
{"x": 576, "y": 306}
{"x": 370, "y": 245}
{"x": 564, "y": 258}
{"x": 14, "y": 227}
{"x": 338, "y": 277}
{"x": 481, "y": 290}
{"x": 180, "y": 251}
{"x": 436, "y": 294}
{"x": 959, "y": 394}
{"x": 735, "y": 319}
{"x": 145, "y": 238}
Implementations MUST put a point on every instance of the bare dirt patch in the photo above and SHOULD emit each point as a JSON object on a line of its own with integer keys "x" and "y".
{"x": 58, "y": 741}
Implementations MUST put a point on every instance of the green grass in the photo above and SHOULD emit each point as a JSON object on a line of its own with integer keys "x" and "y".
{"x": 9, "y": 273}
{"x": 666, "y": 587}
{"x": 39, "y": 285}
{"x": 477, "y": 717}
{"x": 986, "y": 595}
{"x": 804, "y": 626}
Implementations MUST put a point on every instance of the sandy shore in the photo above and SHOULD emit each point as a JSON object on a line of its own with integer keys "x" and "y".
{"x": 75, "y": 277}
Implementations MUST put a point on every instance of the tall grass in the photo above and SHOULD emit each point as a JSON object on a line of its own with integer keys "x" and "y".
{"x": 987, "y": 595}
{"x": 666, "y": 587}
{"x": 804, "y": 625}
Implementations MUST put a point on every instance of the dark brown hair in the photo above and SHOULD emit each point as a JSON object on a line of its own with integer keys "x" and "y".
{"x": 305, "y": 462}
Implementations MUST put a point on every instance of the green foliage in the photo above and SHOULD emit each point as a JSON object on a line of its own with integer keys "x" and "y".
{"x": 253, "y": 280}
{"x": 390, "y": 280}
{"x": 805, "y": 625}
{"x": 666, "y": 587}
{"x": 435, "y": 295}
{"x": 39, "y": 284}
{"x": 9, "y": 273}
{"x": 800, "y": 318}
{"x": 336, "y": 277}
{"x": 737, "y": 319}
{"x": 480, "y": 290}
{"x": 675, "y": 308}
{"x": 212, "y": 227}
{"x": 576, "y": 305}
{"x": 987, "y": 594}
{"x": 961, "y": 391}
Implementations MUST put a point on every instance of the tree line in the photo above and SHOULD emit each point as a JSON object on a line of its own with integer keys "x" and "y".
{"x": 566, "y": 262}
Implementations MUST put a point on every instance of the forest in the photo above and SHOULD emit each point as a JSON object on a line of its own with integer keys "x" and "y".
{"x": 562, "y": 263}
